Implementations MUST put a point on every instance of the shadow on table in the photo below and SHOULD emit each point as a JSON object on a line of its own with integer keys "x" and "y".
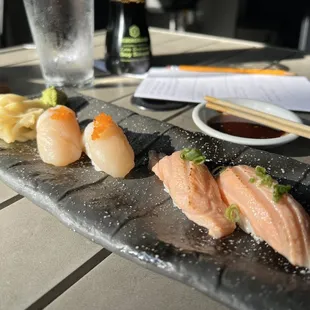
{"x": 117, "y": 85}
{"x": 27, "y": 79}
{"x": 26, "y": 88}
{"x": 298, "y": 148}
{"x": 252, "y": 55}
{"x": 23, "y": 72}
{"x": 23, "y": 79}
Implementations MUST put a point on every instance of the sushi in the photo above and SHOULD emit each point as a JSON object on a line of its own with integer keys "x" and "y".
{"x": 107, "y": 146}
{"x": 194, "y": 190}
{"x": 267, "y": 211}
{"x": 59, "y": 136}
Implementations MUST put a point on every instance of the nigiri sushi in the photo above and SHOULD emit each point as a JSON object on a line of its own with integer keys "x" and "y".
{"x": 107, "y": 146}
{"x": 267, "y": 211}
{"x": 194, "y": 190}
{"x": 59, "y": 136}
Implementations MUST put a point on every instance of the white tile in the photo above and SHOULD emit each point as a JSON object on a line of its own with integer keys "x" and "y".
{"x": 36, "y": 253}
{"x": 6, "y": 192}
{"x": 111, "y": 88}
{"x": 185, "y": 121}
{"x": 299, "y": 65}
{"x": 159, "y": 115}
{"x": 122, "y": 285}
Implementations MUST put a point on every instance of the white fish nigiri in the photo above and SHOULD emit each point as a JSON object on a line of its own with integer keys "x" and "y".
{"x": 107, "y": 146}
{"x": 59, "y": 136}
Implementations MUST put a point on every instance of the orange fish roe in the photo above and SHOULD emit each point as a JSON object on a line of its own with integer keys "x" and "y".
{"x": 101, "y": 123}
{"x": 61, "y": 113}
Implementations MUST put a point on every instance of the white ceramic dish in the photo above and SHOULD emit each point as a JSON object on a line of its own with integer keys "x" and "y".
{"x": 201, "y": 115}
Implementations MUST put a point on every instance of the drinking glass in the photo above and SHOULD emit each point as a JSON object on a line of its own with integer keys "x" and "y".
{"x": 63, "y": 33}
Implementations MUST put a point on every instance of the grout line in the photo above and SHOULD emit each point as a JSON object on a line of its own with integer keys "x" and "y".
{"x": 120, "y": 98}
{"x": 69, "y": 281}
{"x": 178, "y": 114}
{"x": 10, "y": 201}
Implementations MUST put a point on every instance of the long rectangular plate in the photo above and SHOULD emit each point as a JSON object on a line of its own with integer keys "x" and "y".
{"x": 135, "y": 217}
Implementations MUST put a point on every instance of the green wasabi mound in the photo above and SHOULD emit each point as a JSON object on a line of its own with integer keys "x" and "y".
{"x": 53, "y": 96}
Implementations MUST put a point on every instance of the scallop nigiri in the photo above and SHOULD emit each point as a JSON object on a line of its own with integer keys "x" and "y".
{"x": 107, "y": 146}
{"x": 59, "y": 136}
{"x": 194, "y": 190}
{"x": 268, "y": 212}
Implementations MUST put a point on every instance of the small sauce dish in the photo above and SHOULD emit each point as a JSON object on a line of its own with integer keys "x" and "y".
{"x": 231, "y": 129}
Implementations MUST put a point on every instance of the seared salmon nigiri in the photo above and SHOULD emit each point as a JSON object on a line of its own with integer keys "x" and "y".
{"x": 268, "y": 212}
{"x": 59, "y": 136}
{"x": 194, "y": 190}
{"x": 107, "y": 146}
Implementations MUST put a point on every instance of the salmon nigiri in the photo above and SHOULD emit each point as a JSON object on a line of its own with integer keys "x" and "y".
{"x": 59, "y": 136}
{"x": 194, "y": 190}
{"x": 267, "y": 211}
{"x": 107, "y": 146}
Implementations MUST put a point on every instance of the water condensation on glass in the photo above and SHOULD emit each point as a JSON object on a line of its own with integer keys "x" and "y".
{"x": 63, "y": 33}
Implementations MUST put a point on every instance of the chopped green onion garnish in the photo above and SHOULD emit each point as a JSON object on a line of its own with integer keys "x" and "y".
{"x": 218, "y": 170}
{"x": 232, "y": 213}
{"x": 267, "y": 180}
{"x": 252, "y": 180}
{"x": 183, "y": 153}
{"x": 193, "y": 155}
{"x": 260, "y": 171}
{"x": 279, "y": 190}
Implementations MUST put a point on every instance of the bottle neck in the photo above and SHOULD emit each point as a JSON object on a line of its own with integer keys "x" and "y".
{"x": 133, "y": 8}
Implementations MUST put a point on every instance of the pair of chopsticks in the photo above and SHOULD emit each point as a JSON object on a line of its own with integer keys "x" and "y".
{"x": 258, "y": 117}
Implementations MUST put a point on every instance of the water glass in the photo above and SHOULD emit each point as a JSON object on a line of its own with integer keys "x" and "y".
{"x": 63, "y": 32}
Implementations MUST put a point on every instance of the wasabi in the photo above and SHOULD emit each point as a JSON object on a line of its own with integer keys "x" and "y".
{"x": 53, "y": 96}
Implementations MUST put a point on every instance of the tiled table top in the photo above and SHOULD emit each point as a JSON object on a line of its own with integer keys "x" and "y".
{"x": 43, "y": 263}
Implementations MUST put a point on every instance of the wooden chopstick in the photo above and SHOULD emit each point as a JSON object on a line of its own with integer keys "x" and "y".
{"x": 235, "y": 70}
{"x": 252, "y": 111}
{"x": 258, "y": 117}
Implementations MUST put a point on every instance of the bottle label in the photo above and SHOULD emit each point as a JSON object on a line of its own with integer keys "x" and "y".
{"x": 134, "y": 46}
{"x": 129, "y": 1}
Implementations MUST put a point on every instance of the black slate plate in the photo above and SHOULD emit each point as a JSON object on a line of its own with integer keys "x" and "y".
{"x": 136, "y": 219}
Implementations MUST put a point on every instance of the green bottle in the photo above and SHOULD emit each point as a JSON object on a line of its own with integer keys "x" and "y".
{"x": 128, "y": 45}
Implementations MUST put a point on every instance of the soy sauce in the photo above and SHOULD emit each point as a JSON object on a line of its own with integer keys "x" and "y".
{"x": 128, "y": 46}
{"x": 240, "y": 127}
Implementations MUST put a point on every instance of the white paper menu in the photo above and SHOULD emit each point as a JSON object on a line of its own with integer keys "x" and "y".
{"x": 290, "y": 92}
